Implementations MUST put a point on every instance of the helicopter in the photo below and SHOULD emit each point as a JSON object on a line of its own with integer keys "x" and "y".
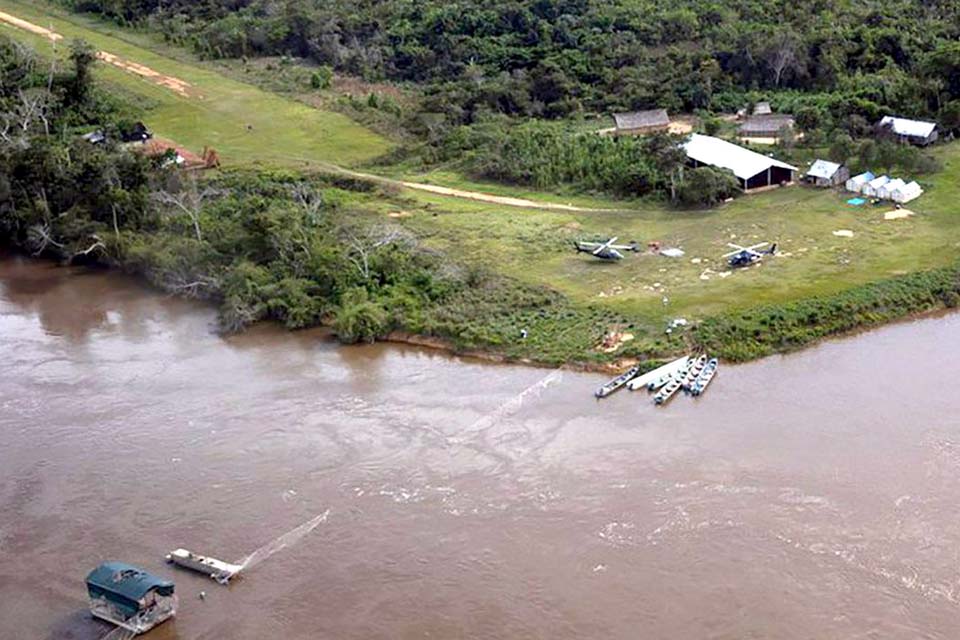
{"x": 745, "y": 256}
{"x": 605, "y": 250}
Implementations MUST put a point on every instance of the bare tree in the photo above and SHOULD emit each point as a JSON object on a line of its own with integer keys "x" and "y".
{"x": 309, "y": 201}
{"x": 189, "y": 201}
{"x": 365, "y": 243}
{"x": 785, "y": 53}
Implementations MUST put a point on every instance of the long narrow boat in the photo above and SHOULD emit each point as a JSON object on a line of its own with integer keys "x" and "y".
{"x": 705, "y": 377}
{"x": 659, "y": 372}
{"x": 617, "y": 382}
{"x": 672, "y": 386}
{"x": 219, "y": 570}
{"x": 695, "y": 368}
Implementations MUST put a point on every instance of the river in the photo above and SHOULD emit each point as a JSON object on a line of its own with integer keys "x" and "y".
{"x": 815, "y": 495}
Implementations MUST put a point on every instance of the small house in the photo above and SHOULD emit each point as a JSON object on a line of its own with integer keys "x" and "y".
{"x": 906, "y": 193}
{"x": 872, "y": 188}
{"x": 753, "y": 170}
{"x": 857, "y": 183}
{"x": 641, "y": 122}
{"x": 130, "y": 597}
{"x": 765, "y": 129}
{"x": 885, "y": 192}
{"x": 917, "y": 132}
{"x": 824, "y": 173}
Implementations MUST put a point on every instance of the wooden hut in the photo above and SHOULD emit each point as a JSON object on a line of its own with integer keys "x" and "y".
{"x": 641, "y": 122}
{"x": 824, "y": 173}
{"x": 765, "y": 129}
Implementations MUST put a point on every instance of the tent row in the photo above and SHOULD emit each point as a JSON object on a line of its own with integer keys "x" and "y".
{"x": 884, "y": 187}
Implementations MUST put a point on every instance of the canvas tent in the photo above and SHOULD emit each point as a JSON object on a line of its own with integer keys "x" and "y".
{"x": 752, "y": 169}
{"x": 872, "y": 188}
{"x": 886, "y": 190}
{"x": 906, "y": 193}
{"x": 857, "y": 183}
{"x": 919, "y": 132}
{"x": 824, "y": 173}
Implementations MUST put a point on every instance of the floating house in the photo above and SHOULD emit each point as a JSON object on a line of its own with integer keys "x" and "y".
{"x": 906, "y": 193}
{"x": 918, "y": 132}
{"x": 857, "y": 183}
{"x": 824, "y": 173}
{"x": 753, "y": 170}
{"x": 641, "y": 122}
{"x": 130, "y": 597}
{"x": 872, "y": 188}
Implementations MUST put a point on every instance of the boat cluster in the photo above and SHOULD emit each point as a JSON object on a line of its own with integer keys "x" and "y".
{"x": 692, "y": 374}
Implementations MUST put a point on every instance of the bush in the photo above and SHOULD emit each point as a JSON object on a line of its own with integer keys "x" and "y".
{"x": 707, "y": 186}
{"x": 322, "y": 78}
{"x": 359, "y": 319}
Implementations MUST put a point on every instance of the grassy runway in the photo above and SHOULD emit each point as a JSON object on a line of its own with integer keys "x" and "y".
{"x": 246, "y": 125}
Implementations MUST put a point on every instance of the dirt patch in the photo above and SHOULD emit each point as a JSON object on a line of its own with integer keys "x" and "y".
{"x": 159, "y": 146}
{"x": 29, "y": 26}
{"x": 485, "y": 197}
{"x": 176, "y": 85}
{"x": 898, "y": 214}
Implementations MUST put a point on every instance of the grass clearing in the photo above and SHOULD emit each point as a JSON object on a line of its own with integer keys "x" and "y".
{"x": 536, "y": 247}
{"x": 247, "y": 126}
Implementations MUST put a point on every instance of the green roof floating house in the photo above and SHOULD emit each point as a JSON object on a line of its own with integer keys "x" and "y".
{"x": 129, "y": 597}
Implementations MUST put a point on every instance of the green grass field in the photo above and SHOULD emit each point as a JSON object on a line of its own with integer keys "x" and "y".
{"x": 536, "y": 247}
{"x": 246, "y": 125}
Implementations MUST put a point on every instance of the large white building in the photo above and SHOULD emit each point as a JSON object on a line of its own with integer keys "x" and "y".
{"x": 753, "y": 170}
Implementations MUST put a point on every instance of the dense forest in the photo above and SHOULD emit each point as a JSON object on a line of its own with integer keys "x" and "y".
{"x": 552, "y": 58}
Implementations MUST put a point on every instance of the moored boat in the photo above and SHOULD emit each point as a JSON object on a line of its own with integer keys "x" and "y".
{"x": 617, "y": 382}
{"x": 672, "y": 385}
{"x": 645, "y": 379}
{"x": 695, "y": 368}
{"x": 705, "y": 377}
{"x": 219, "y": 570}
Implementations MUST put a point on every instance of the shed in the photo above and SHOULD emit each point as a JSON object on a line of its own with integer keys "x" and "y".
{"x": 918, "y": 132}
{"x": 887, "y": 190}
{"x": 857, "y": 183}
{"x": 906, "y": 193}
{"x": 767, "y": 126}
{"x": 641, "y": 122}
{"x": 824, "y": 173}
{"x": 872, "y": 188}
{"x": 753, "y": 170}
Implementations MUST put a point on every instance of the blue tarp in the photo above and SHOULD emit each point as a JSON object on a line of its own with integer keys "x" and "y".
{"x": 856, "y": 201}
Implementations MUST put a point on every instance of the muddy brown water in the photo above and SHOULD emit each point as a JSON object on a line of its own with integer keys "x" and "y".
{"x": 810, "y": 496}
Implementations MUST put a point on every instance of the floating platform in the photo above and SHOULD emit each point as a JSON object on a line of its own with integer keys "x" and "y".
{"x": 219, "y": 570}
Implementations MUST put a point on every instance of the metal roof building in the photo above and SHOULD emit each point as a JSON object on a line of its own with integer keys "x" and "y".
{"x": 824, "y": 173}
{"x": 918, "y": 132}
{"x": 753, "y": 170}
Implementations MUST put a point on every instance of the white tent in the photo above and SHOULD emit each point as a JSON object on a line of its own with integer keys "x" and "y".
{"x": 872, "y": 187}
{"x": 906, "y": 193}
{"x": 856, "y": 183}
{"x": 885, "y": 192}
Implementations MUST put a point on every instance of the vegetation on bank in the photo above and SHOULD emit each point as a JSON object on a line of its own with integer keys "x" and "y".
{"x": 304, "y": 249}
